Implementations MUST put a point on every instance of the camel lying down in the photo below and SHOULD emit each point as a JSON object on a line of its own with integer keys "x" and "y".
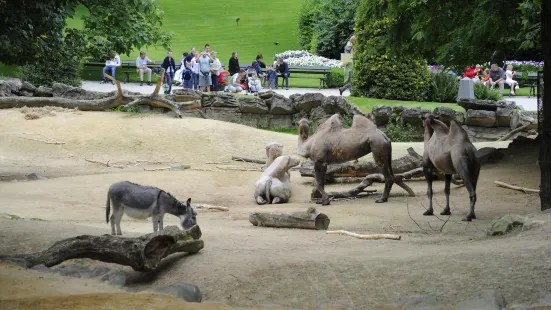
{"x": 274, "y": 185}
{"x": 450, "y": 151}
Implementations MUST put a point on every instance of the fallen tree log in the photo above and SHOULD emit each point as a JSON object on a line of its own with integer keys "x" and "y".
{"x": 143, "y": 253}
{"x": 365, "y": 237}
{"x": 248, "y": 160}
{"x": 309, "y": 219}
{"x": 516, "y": 188}
{"x": 120, "y": 99}
{"x": 349, "y": 169}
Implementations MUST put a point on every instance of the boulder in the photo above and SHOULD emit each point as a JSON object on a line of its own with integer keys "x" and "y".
{"x": 486, "y": 105}
{"x": 28, "y": 87}
{"x": 43, "y": 91}
{"x": 479, "y": 134}
{"x": 481, "y": 118}
{"x": 112, "y": 276}
{"x": 488, "y": 300}
{"x": 318, "y": 116}
{"x": 447, "y": 114}
{"x": 489, "y": 155}
{"x": 307, "y": 101}
{"x": 530, "y": 119}
{"x": 336, "y": 104}
{"x": 503, "y": 116}
{"x": 414, "y": 116}
{"x": 381, "y": 114}
{"x": 182, "y": 290}
{"x": 220, "y": 101}
{"x": 187, "y": 92}
{"x": 506, "y": 223}
{"x": 10, "y": 87}
{"x": 515, "y": 120}
{"x": 280, "y": 104}
{"x": 252, "y": 105}
{"x": 77, "y": 93}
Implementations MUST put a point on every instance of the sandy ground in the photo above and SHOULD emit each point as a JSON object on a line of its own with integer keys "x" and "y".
{"x": 242, "y": 265}
{"x": 529, "y": 104}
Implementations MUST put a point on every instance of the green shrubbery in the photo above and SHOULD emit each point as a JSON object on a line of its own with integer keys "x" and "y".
{"x": 62, "y": 68}
{"x": 307, "y": 17}
{"x": 483, "y": 92}
{"x": 398, "y": 131}
{"x": 335, "y": 78}
{"x": 444, "y": 87}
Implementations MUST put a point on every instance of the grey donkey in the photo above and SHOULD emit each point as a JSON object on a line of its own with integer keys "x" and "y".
{"x": 142, "y": 202}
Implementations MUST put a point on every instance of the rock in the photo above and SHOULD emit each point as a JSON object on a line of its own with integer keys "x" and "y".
{"x": 506, "y": 223}
{"x": 35, "y": 176}
{"x": 381, "y": 115}
{"x": 280, "y": 104}
{"x": 336, "y": 104}
{"x": 414, "y": 116}
{"x": 478, "y": 134}
{"x": 187, "y": 92}
{"x": 530, "y": 119}
{"x": 481, "y": 118}
{"x": 447, "y": 114}
{"x": 486, "y": 105}
{"x": 489, "y": 155}
{"x": 43, "y": 91}
{"x": 10, "y": 87}
{"x": 503, "y": 116}
{"x": 112, "y": 276}
{"x": 515, "y": 120}
{"x": 318, "y": 116}
{"x": 28, "y": 87}
{"x": 183, "y": 290}
{"x": 145, "y": 108}
{"x": 307, "y": 101}
{"x": 508, "y": 103}
{"x": 220, "y": 100}
{"x": 252, "y": 105}
{"x": 77, "y": 93}
{"x": 415, "y": 302}
{"x": 488, "y": 300}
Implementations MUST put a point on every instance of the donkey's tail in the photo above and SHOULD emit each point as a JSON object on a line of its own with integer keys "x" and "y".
{"x": 107, "y": 208}
{"x": 268, "y": 185}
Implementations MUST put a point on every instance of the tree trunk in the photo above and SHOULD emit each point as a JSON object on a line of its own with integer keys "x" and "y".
{"x": 142, "y": 253}
{"x": 545, "y": 135}
{"x": 309, "y": 219}
{"x": 403, "y": 164}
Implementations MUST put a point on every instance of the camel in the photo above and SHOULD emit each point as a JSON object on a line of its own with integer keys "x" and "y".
{"x": 332, "y": 144}
{"x": 273, "y": 151}
{"x": 274, "y": 185}
{"x": 450, "y": 151}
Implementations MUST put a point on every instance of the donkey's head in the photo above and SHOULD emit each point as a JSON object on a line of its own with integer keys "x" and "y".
{"x": 188, "y": 216}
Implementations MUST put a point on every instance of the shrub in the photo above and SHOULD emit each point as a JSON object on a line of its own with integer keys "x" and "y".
{"x": 444, "y": 87}
{"x": 397, "y": 131}
{"x": 380, "y": 75}
{"x": 483, "y": 92}
{"x": 334, "y": 26}
{"x": 335, "y": 78}
{"x": 307, "y": 17}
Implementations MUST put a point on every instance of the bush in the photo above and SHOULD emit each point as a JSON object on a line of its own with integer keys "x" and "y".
{"x": 307, "y": 17}
{"x": 335, "y": 78}
{"x": 334, "y": 26}
{"x": 397, "y": 131}
{"x": 444, "y": 87}
{"x": 483, "y": 92}
{"x": 380, "y": 75}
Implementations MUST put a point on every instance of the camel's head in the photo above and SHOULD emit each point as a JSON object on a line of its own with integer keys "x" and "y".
{"x": 303, "y": 128}
{"x": 429, "y": 117}
{"x": 293, "y": 161}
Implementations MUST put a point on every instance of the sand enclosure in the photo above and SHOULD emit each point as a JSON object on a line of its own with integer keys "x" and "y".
{"x": 242, "y": 265}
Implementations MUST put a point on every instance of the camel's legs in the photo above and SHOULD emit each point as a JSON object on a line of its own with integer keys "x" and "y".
{"x": 389, "y": 181}
{"x": 427, "y": 170}
{"x": 447, "y": 192}
{"x": 469, "y": 175}
{"x": 320, "y": 168}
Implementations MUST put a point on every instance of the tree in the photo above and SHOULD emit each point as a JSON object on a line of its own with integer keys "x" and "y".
{"x": 306, "y": 22}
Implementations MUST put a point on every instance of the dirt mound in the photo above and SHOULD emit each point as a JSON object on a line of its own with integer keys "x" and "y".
{"x": 36, "y": 113}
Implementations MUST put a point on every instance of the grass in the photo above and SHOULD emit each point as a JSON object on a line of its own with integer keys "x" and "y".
{"x": 367, "y": 104}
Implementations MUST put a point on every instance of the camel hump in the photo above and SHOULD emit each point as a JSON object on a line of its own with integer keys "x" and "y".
{"x": 333, "y": 123}
{"x": 457, "y": 131}
{"x": 439, "y": 126}
{"x": 362, "y": 122}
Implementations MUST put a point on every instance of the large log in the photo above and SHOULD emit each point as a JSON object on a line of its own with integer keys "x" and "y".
{"x": 309, "y": 219}
{"x": 120, "y": 99}
{"x": 143, "y": 253}
{"x": 349, "y": 169}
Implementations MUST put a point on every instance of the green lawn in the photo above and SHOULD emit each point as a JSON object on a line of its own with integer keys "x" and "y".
{"x": 367, "y": 104}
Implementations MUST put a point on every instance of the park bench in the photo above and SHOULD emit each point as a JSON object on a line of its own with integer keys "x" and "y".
{"x": 304, "y": 72}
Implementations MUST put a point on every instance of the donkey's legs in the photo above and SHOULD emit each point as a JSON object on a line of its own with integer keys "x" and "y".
{"x": 155, "y": 219}
{"x": 427, "y": 170}
{"x": 160, "y": 217}
{"x": 447, "y": 192}
{"x": 118, "y": 212}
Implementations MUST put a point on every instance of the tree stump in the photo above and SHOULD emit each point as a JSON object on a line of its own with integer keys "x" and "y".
{"x": 309, "y": 219}
{"x": 143, "y": 253}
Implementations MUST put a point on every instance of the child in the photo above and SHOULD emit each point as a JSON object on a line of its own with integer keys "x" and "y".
{"x": 486, "y": 76}
{"x": 270, "y": 77}
{"x": 254, "y": 83}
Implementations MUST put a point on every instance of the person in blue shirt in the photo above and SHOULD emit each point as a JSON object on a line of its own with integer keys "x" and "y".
{"x": 271, "y": 77}
{"x": 170, "y": 69}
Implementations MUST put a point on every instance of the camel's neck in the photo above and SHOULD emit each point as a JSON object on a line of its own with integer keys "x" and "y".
{"x": 303, "y": 142}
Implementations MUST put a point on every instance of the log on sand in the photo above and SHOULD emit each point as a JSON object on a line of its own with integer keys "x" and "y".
{"x": 143, "y": 253}
{"x": 309, "y": 219}
{"x": 120, "y": 99}
{"x": 248, "y": 160}
{"x": 349, "y": 169}
{"x": 365, "y": 237}
{"x": 517, "y": 188}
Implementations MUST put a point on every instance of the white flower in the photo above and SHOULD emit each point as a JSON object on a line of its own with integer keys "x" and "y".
{"x": 304, "y": 58}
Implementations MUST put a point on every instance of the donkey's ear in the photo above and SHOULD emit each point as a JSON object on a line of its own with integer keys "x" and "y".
{"x": 188, "y": 202}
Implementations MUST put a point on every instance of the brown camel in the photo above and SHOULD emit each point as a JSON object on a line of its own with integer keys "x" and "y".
{"x": 331, "y": 144}
{"x": 450, "y": 151}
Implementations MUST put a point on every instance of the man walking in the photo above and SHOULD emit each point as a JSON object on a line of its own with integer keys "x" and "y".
{"x": 170, "y": 69}
{"x": 141, "y": 66}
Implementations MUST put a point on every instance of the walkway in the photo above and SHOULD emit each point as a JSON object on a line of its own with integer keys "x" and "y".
{"x": 526, "y": 103}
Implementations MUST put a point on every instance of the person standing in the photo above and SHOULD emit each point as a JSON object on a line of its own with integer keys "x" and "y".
{"x": 141, "y": 65}
{"x": 283, "y": 70}
{"x": 204, "y": 71}
{"x": 195, "y": 71}
{"x": 111, "y": 65}
{"x": 215, "y": 68}
{"x": 233, "y": 64}
{"x": 170, "y": 69}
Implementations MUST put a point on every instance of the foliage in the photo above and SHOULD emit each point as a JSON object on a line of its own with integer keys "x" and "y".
{"x": 444, "y": 87}
{"x": 335, "y": 78}
{"x": 455, "y": 32}
{"x": 61, "y": 68}
{"x": 484, "y": 92}
{"x": 133, "y": 109}
{"x": 334, "y": 25}
{"x": 398, "y": 131}
{"x": 306, "y": 21}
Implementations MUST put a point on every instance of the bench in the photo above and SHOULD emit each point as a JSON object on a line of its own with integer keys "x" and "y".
{"x": 304, "y": 70}
{"x": 129, "y": 67}
{"x": 531, "y": 81}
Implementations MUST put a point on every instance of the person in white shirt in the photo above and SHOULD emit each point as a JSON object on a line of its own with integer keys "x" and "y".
{"x": 111, "y": 65}
{"x": 509, "y": 74}
{"x": 235, "y": 86}
{"x": 141, "y": 66}
{"x": 215, "y": 68}
{"x": 195, "y": 72}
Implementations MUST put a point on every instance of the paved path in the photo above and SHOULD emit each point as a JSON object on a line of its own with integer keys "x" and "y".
{"x": 526, "y": 103}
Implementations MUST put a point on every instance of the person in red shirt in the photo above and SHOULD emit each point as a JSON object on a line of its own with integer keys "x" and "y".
{"x": 471, "y": 72}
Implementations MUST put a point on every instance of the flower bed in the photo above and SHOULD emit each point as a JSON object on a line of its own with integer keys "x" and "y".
{"x": 304, "y": 58}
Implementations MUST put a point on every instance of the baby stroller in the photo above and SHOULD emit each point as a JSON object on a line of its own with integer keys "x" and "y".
{"x": 254, "y": 83}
